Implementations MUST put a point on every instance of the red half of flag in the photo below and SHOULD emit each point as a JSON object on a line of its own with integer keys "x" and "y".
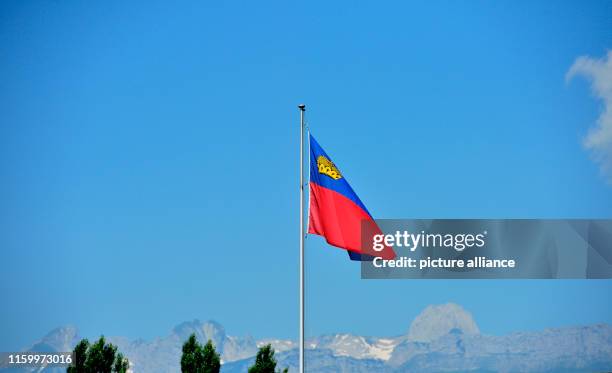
{"x": 336, "y": 213}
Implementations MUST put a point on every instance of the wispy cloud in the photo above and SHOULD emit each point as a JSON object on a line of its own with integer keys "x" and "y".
{"x": 599, "y": 137}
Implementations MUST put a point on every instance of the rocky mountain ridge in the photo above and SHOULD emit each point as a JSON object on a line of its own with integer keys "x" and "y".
{"x": 441, "y": 338}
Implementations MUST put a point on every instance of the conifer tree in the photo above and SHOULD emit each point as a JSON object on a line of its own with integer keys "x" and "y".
{"x": 265, "y": 361}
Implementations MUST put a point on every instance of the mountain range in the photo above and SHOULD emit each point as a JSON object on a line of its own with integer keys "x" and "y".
{"x": 443, "y": 338}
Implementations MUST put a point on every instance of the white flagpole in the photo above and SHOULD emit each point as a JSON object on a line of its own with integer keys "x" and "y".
{"x": 302, "y": 108}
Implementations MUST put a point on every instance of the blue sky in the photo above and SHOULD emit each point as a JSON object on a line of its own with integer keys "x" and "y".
{"x": 148, "y": 157}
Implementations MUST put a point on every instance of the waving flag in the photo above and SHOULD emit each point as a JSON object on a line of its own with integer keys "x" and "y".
{"x": 336, "y": 212}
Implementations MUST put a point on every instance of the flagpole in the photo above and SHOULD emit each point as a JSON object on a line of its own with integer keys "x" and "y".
{"x": 302, "y": 108}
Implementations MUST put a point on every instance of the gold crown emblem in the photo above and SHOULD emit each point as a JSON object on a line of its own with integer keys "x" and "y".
{"x": 327, "y": 167}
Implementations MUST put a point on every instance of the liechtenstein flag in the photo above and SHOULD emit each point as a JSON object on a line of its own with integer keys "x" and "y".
{"x": 336, "y": 212}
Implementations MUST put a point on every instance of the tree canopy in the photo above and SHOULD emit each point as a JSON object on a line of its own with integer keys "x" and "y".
{"x": 265, "y": 362}
{"x": 100, "y": 357}
{"x": 198, "y": 359}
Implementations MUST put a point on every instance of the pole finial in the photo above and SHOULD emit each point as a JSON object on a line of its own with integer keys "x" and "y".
{"x": 302, "y": 107}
